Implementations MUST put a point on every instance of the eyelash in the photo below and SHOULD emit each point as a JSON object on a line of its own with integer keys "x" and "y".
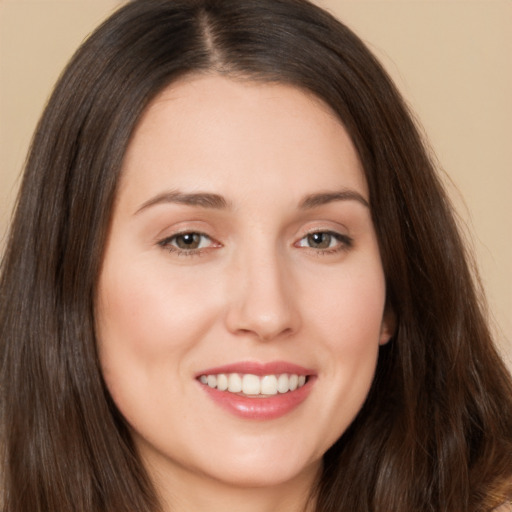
{"x": 344, "y": 243}
{"x": 166, "y": 243}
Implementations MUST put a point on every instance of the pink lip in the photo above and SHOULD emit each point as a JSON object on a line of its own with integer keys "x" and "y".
{"x": 260, "y": 369}
{"x": 256, "y": 408}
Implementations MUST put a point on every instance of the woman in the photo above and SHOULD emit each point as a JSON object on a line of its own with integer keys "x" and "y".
{"x": 233, "y": 281}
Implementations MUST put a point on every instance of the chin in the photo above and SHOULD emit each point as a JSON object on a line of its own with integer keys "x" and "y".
{"x": 266, "y": 473}
{"x": 270, "y": 464}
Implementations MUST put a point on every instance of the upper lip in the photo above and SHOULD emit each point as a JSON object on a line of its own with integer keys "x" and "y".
{"x": 257, "y": 368}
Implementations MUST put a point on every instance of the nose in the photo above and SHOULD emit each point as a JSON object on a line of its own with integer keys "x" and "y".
{"x": 262, "y": 302}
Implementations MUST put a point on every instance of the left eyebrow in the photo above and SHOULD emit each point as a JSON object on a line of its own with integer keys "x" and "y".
{"x": 322, "y": 198}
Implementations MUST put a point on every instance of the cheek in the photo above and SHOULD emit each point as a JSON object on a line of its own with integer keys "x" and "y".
{"x": 349, "y": 307}
{"x": 142, "y": 311}
{"x": 148, "y": 324}
{"x": 349, "y": 321}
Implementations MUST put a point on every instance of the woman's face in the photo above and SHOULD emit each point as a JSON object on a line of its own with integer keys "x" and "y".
{"x": 241, "y": 255}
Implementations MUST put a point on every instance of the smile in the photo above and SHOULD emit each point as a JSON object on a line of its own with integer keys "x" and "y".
{"x": 258, "y": 391}
{"x": 254, "y": 385}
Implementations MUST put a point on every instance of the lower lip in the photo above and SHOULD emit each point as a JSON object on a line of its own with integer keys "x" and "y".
{"x": 257, "y": 408}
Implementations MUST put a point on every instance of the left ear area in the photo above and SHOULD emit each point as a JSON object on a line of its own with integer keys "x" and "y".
{"x": 388, "y": 327}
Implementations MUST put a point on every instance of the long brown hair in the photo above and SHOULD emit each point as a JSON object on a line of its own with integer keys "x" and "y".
{"x": 435, "y": 433}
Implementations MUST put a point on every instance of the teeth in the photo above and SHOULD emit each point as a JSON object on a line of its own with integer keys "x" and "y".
{"x": 283, "y": 383}
{"x": 235, "y": 383}
{"x": 269, "y": 385}
{"x": 222, "y": 382}
{"x": 249, "y": 384}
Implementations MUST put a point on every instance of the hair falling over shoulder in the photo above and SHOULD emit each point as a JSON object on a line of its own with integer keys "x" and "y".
{"x": 435, "y": 433}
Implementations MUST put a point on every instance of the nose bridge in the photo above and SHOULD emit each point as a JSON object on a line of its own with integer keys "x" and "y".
{"x": 261, "y": 293}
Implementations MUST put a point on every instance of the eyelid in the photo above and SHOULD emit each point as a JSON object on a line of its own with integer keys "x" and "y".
{"x": 166, "y": 243}
{"x": 345, "y": 241}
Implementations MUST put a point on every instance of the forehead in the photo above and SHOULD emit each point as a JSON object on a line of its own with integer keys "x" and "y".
{"x": 205, "y": 130}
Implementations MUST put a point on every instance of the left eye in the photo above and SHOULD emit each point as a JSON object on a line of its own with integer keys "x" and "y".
{"x": 189, "y": 241}
{"x": 323, "y": 240}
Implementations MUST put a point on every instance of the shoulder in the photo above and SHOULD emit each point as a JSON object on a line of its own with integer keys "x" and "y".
{"x": 506, "y": 507}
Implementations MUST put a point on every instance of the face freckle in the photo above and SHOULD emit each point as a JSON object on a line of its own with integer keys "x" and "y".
{"x": 241, "y": 247}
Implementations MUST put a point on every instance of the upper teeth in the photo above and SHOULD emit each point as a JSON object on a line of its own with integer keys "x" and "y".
{"x": 249, "y": 384}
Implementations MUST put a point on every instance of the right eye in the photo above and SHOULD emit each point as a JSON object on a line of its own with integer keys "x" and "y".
{"x": 187, "y": 243}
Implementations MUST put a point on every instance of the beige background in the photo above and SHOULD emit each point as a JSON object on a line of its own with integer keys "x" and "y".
{"x": 452, "y": 59}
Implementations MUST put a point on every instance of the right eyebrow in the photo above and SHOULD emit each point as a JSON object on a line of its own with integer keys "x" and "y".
{"x": 201, "y": 199}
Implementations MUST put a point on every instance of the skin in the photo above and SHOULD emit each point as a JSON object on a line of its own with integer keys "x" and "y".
{"x": 255, "y": 289}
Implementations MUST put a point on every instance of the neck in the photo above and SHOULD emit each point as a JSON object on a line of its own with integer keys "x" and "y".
{"x": 183, "y": 491}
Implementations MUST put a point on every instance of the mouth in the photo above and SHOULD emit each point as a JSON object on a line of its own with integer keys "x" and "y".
{"x": 252, "y": 385}
{"x": 258, "y": 391}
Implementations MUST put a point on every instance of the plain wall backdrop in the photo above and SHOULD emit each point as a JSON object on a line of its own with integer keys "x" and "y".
{"x": 451, "y": 59}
